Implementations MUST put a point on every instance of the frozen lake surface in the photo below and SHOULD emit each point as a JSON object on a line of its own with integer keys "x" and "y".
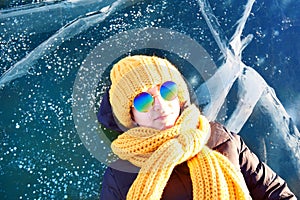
{"x": 240, "y": 57}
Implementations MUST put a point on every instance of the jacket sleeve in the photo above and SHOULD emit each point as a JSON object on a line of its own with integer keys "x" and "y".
{"x": 110, "y": 189}
{"x": 262, "y": 181}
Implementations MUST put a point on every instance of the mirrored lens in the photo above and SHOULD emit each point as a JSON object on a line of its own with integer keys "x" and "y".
{"x": 143, "y": 102}
{"x": 168, "y": 90}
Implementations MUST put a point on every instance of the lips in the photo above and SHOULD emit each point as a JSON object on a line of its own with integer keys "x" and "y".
{"x": 162, "y": 117}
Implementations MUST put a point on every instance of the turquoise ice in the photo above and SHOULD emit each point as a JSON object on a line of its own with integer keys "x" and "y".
{"x": 46, "y": 47}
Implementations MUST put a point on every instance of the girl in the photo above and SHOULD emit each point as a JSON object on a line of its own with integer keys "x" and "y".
{"x": 167, "y": 149}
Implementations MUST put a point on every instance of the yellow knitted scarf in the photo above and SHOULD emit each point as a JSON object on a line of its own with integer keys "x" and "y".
{"x": 158, "y": 152}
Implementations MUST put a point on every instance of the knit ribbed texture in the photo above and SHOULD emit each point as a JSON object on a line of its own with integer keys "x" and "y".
{"x": 135, "y": 74}
{"x": 158, "y": 152}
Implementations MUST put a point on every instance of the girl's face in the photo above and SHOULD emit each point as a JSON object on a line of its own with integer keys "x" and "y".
{"x": 162, "y": 115}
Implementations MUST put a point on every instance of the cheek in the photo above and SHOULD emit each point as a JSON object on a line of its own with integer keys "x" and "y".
{"x": 175, "y": 107}
{"x": 140, "y": 118}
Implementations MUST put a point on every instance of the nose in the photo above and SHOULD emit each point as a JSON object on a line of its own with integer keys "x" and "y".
{"x": 158, "y": 103}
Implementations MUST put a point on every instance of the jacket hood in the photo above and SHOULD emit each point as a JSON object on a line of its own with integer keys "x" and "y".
{"x": 105, "y": 115}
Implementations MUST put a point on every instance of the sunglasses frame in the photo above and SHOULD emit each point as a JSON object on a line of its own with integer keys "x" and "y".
{"x": 153, "y": 96}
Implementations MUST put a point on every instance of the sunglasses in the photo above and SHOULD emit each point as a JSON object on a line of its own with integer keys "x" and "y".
{"x": 143, "y": 102}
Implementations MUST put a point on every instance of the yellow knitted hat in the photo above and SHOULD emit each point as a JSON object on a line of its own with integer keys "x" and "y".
{"x": 135, "y": 74}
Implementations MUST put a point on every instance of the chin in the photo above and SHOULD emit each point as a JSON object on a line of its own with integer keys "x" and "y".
{"x": 167, "y": 126}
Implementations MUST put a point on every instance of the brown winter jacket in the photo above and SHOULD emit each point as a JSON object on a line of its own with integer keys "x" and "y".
{"x": 262, "y": 182}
